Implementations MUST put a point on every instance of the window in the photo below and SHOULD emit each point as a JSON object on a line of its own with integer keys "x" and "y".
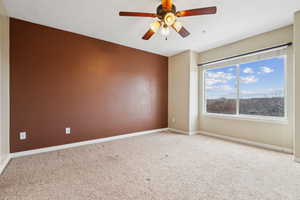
{"x": 221, "y": 94}
{"x": 255, "y": 88}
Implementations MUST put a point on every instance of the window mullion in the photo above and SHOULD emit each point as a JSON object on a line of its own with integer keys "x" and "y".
{"x": 238, "y": 90}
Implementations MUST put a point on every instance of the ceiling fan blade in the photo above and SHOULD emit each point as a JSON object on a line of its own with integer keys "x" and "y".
{"x": 137, "y": 14}
{"x": 167, "y": 4}
{"x": 198, "y": 11}
{"x": 181, "y": 30}
{"x": 149, "y": 34}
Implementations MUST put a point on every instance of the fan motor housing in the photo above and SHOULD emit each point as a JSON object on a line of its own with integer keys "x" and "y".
{"x": 162, "y": 12}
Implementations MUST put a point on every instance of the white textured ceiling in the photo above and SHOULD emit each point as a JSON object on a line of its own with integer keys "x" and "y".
{"x": 236, "y": 19}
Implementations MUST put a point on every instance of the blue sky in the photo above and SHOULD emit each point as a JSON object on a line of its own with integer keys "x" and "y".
{"x": 263, "y": 78}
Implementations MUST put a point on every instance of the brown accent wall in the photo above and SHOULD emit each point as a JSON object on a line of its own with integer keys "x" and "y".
{"x": 99, "y": 89}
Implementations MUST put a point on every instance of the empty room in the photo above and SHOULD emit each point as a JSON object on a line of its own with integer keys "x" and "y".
{"x": 149, "y": 100}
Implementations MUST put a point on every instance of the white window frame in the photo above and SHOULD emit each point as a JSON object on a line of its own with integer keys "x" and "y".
{"x": 238, "y": 116}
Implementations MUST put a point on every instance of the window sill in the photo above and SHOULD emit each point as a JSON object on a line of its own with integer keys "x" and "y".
{"x": 249, "y": 118}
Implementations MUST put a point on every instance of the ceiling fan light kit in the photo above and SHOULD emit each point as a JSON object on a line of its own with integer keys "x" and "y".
{"x": 167, "y": 15}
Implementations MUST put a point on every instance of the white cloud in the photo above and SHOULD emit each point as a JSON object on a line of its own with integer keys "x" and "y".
{"x": 266, "y": 70}
{"x": 248, "y": 70}
{"x": 220, "y": 75}
{"x": 249, "y": 79}
{"x": 212, "y": 81}
{"x": 219, "y": 88}
{"x": 217, "y": 81}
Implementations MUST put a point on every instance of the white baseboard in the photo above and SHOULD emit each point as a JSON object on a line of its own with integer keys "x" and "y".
{"x": 178, "y": 131}
{"x": 183, "y": 132}
{"x": 243, "y": 141}
{"x": 194, "y": 133}
{"x": 297, "y": 159}
{"x": 77, "y": 144}
{"x": 4, "y": 163}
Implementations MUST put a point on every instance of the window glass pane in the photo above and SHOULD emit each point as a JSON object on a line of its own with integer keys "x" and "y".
{"x": 220, "y": 90}
{"x": 262, "y": 88}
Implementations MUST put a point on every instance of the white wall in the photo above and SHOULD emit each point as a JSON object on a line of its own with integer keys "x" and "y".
{"x": 297, "y": 84}
{"x": 4, "y": 86}
{"x": 178, "y": 92}
{"x": 263, "y": 132}
{"x": 193, "y": 93}
{"x": 183, "y": 92}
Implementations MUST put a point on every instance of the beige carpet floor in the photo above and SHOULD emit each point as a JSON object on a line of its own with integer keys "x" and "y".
{"x": 160, "y": 166}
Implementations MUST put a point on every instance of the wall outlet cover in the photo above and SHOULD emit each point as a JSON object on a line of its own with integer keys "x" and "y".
{"x": 68, "y": 130}
{"x": 23, "y": 135}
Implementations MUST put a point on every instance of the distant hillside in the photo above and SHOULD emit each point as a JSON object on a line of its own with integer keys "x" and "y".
{"x": 256, "y": 106}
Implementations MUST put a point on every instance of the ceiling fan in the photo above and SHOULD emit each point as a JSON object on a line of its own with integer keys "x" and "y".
{"x": 167, "y": 15}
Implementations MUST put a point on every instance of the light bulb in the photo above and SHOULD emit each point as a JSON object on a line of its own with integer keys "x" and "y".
{"x": 165, "y": 31}
{"x": 155, "y": 26}
{"x": 169, "y": 19}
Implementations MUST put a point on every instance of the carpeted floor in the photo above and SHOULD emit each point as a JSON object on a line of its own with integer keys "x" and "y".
{"x": 159, "y": 166}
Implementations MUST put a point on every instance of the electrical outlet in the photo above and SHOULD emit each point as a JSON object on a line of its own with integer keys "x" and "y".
{"x": 22, "y": 135}
{"x": 68, "y": 131}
